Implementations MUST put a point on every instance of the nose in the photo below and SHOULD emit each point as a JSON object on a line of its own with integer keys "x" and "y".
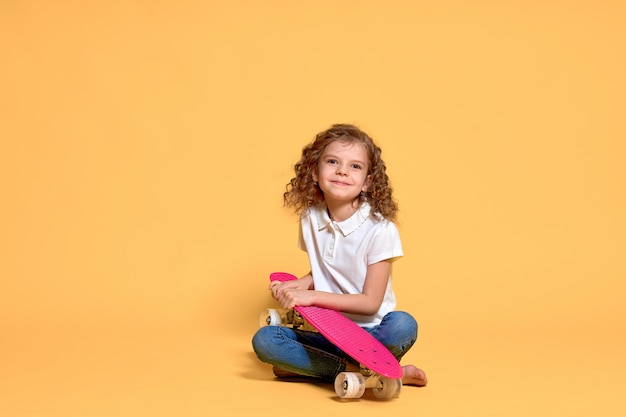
{"x": 341, "y": 170}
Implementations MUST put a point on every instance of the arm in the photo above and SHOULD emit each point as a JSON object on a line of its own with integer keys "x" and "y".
{"x": 366, "y": 303}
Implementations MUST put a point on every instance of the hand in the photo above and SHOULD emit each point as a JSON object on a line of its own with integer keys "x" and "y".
{"x": 294, "y": 292}
{"x": 292, "y": 297}
{"x": 278, "y": 287}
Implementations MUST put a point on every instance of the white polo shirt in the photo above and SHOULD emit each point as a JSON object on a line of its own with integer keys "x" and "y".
{"x": 339, "y": 253}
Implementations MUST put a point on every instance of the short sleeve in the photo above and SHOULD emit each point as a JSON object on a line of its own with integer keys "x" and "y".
{"x": 385, "y": 243}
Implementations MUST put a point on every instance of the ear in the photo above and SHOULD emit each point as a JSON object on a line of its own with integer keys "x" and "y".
{"x": 367, "y": 183}
{"x": 314, "y": 175}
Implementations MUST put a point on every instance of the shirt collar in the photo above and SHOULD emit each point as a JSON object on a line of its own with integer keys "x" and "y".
{"x": 347, "y": 226}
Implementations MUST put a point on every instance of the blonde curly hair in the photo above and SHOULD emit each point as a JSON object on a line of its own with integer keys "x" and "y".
{"x": 303, "y": 192}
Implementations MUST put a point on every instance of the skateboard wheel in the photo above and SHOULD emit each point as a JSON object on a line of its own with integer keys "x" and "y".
{"x": 270, "y": 317}
{"x": 350, "y": 385}
{"x": 388, "y": 388}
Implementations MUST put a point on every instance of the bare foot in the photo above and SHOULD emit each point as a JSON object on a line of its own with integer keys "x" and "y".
{"x": 413, "y": 376}
{"x": 281, "y": 373}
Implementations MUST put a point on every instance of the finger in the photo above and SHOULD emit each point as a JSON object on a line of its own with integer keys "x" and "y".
{"x": 276, "y": 292}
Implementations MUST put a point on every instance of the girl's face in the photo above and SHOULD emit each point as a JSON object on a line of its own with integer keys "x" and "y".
{"x": 342, "y": 172}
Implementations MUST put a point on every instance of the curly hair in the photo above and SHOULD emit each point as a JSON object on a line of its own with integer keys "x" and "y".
{"x": 303, "y": 192}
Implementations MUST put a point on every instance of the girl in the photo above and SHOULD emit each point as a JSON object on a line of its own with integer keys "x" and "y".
{"x": 341, "y": 191}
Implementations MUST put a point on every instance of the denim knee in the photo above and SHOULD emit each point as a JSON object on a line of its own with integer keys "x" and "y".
{"x": 262, "y": 342}
{"x": 397, "y": 331}
{"x": 400, "y": 322}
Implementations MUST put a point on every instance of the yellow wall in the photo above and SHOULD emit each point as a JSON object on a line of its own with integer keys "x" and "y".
{"x": 145, "y": 147}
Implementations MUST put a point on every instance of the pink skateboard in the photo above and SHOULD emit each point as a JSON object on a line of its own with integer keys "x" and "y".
{"x": 384, "y": 371}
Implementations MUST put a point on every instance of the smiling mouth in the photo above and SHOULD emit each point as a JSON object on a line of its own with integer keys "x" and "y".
{"x": 340, "y": 183}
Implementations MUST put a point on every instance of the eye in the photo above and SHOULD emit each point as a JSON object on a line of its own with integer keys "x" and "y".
{"x": 331, "y": 161}
{"x": 357, "y": 166}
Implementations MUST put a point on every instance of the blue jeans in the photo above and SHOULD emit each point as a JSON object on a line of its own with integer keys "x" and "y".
{"x": 311, "y": 354}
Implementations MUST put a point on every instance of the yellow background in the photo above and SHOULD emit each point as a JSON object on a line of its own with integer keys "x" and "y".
{"x": 145, "y": 146}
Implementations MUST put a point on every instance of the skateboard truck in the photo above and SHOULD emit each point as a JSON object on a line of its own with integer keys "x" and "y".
{"x": 353, "y": 385}
{"x": 284, "y": 317}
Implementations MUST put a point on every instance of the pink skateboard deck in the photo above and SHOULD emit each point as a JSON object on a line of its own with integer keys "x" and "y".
{"x": 348, "y": 336}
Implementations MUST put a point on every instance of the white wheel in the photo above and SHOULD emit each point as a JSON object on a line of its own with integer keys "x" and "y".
{"x": 350, "y": 385}
{"x": 388, "y": 388}
{"x": 270, "y": 317}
